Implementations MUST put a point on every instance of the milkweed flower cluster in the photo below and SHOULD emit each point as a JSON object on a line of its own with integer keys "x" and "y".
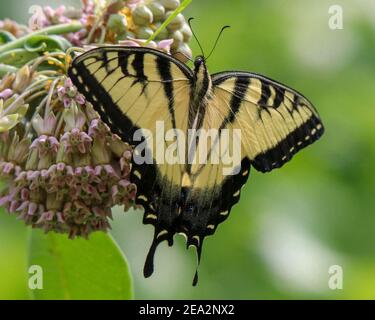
{"x": 118, "y": 21}
{"x": 62, "y": 168}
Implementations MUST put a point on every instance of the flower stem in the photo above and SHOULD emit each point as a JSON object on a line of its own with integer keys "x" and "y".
{"x": 32, "y": 89}
{"x": 58, "y": 29}
{"x": 51, "y": 91}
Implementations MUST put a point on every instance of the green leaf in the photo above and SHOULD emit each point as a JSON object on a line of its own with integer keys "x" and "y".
{"x": 43, "y": 43}
{"x": 17, "y": 57}
{"x": 6, "y": 37}
{"x": 80, "y": 269}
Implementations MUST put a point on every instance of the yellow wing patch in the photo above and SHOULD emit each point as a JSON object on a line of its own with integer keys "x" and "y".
{"x": 275, "y": 121}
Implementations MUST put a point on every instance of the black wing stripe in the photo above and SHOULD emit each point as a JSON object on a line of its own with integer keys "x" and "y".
{"x": 274, "y": 157}
{"x": 239, "y": 92}
{"x": 123, "y": 58}
{"x": 164, "y": 69}
{"x": 279, "y": 97}
{"x": 138, "y": 65}
{"x": 266, "y": 93}
{"x": 103, "y": 103}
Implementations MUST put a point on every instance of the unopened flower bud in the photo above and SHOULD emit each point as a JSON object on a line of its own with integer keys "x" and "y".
{"x": 158, "y": 11}
{"x": 186, "y": 32}
{"x": 170, "y": 4}
{"x": 142, "y": 15}
{"x": 117, "y": 23}
{"x": 5, "y": 94}
{"x": 178, "y": 39}
{"x": 177, "y": 23}
{"x": 144, "y": 32}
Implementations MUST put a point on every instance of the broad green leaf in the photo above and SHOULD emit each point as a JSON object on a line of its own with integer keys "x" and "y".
{"x": 79, "y": 269}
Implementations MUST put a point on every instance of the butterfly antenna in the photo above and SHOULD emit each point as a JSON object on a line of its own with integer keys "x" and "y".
{"x": 195, "y": 37}
{"x": 217, "y": 40}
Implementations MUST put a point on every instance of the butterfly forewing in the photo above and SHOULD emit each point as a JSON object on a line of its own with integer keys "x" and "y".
{"x": 133, "y": 88}
{"x": 275, "y": 121}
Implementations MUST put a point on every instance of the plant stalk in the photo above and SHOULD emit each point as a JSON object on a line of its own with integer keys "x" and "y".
{"x": 53, "y": 30}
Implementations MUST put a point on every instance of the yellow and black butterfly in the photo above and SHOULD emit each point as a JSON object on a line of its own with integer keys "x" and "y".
{"x": 132, "y": 88}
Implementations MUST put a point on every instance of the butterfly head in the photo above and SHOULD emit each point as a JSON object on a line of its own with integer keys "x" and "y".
{"x": 199, "y": 63}
{"x": 202, "y": 76}
{"x": 200, "y": 67}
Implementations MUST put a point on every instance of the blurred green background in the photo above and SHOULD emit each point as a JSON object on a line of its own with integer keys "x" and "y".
{"x": 292, "y": 224}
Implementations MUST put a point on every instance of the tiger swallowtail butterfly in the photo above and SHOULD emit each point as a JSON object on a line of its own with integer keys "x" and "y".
{"x": 133, "y": 88}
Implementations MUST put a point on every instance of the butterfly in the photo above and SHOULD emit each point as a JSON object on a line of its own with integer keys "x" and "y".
{"x": 134, "y": 88}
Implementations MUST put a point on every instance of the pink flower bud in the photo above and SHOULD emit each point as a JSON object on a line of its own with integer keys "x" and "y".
{"x": 5, "y": 94}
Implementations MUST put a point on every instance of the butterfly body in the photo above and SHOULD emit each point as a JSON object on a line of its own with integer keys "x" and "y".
{"x": 244, "y": 117}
